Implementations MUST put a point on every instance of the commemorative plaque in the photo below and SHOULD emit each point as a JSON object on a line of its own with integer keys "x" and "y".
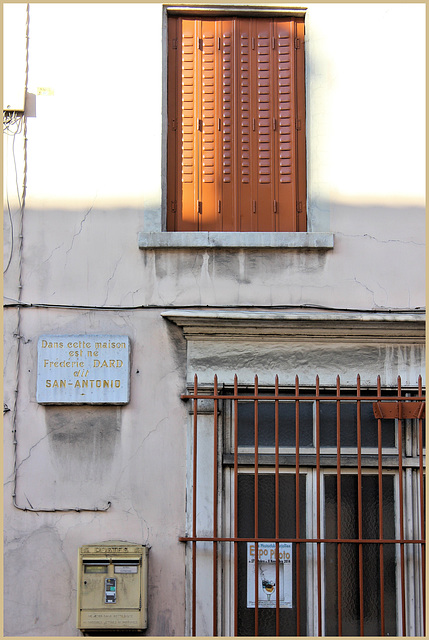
{"x": 83, "y": 369}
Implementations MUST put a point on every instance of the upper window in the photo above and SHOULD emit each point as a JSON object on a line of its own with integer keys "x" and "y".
{"x": 236, "y": 124}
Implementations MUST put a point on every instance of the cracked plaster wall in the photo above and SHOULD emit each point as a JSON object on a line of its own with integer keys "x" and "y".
{"x": 85, "y": 258}
{"x": 84, "y": 456}
{"x": 87, "y": 197}
{"x": 87, "y": 194}
{"x": 38, "y": 574}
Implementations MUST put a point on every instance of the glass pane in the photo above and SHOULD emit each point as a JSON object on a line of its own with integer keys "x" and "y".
{"x": 348, "y": 556}
{"x": 423, "y": 432}
{"x": 266, "y": 424}
{"x": 348, "y": 424}
{"x": 266, "y": 525}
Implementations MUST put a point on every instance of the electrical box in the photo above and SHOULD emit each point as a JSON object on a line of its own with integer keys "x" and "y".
{"x": 112, "y": 586}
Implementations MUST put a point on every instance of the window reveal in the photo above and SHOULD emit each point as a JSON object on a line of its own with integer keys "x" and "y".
{"x": 324, "y": 472}
{"x": 236, "y": 124}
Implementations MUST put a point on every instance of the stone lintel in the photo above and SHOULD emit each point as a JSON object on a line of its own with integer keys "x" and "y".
{"x": 300, "y": 326}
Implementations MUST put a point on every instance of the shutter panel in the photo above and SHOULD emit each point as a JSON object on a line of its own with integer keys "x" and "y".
{"x": 209, "y": 134}
{"x": 187, "y": 203}
{"x": 244, "y": 125}
{"x": 227, "y": 116}
{"x": 263, "y": 108}
{"x": 240, "y": 161}
{"x": 285, "y": 135}
{"x": 173, "y": 153}
{"x": 301, "y": 162}
{"x": 217, "y": 109}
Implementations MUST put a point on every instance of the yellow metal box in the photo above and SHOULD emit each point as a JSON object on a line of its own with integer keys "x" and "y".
{"x": 112, "y": 586}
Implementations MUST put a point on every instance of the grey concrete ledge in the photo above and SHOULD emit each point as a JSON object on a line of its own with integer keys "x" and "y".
{"x": 362, "y": 327}
{"x": 235, "y": 240}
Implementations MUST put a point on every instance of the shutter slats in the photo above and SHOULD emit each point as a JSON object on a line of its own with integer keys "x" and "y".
{"x": 209, "y": 65}
{"x": 286, "y": 144}
{"x": 285, "y": 105}
{"x": 245, "y": 127}
{"x": 227, "y": 105}
{"x": 239, "y": 101}
{"x": 262, "y": 79}
{"x": 187, "y": 199}
{"x": 227, "y": 212}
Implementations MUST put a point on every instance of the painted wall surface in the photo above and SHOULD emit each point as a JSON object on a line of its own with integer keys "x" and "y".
{"x": 94, "y": 177}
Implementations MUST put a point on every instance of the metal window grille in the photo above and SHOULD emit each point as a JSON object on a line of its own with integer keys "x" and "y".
{"x": 385, "y": 452}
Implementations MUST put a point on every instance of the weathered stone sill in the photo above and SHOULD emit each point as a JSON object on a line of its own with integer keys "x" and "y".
{"x": 235, "y": 240}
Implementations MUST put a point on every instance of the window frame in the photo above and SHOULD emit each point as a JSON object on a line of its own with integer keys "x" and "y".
{"x": 155, "y": 237}
{"x": 303, "y": 226}
{"x": 226, "y": 496}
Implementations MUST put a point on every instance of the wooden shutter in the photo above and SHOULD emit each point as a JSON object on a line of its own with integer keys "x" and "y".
{"x": 236, "y": 130}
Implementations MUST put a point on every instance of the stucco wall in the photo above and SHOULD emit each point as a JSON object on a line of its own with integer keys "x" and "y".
{"x": 94, "y": 178}
{"x": 94, "y": 167}
{"x": 72, "y": 457}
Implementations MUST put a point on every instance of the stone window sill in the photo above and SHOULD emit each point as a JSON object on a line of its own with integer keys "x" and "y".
{"x": 235, "y": 240}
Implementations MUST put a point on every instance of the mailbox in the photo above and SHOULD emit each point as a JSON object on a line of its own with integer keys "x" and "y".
{"x": 112, "y": 586}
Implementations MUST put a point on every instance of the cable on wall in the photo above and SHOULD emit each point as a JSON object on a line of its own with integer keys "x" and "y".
{"x": 21, "y": 124}
{"x": 13, "y": 122}
{"x": 149, "y": 307}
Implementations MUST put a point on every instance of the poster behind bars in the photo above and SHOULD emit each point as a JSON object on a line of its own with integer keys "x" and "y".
{"x": 268, "y": 590}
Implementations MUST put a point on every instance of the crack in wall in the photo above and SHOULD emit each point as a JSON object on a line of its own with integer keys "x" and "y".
{"x": 389, "y": 241}
{"x": 110, "y": 280}
{"x": 33, "y": 446}
{"x": 52, "y": 253}
{"x": 41, "y": 552}
{"x": 82, "y": 222}
{"x": 137, "y": 450}
{"x": 361, "y": 284}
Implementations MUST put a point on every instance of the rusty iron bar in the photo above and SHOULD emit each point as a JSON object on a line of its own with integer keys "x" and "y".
{"x": 422, "y": 511}
{"x": 297, "y": 513}
{"x": 215, "y": 504}
{"x": 256, "y": 509}
{"x": 339, "y": 550}
{"x": 380, "y": 515}
{"x": 421, "y": 541}
{"x": 360, "y": 515}
{"x": 307, "y": 398}
{"x": 318, "y": 528}
{"x": 401, "y": 513}
{"x": 235, "y": 506}
{"x": 277, "y": 501}
{"x": 194, "y": 509}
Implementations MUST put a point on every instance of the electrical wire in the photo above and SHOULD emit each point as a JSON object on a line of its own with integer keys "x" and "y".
{"x": 19, "y": 120}
{"x": 41, "y": 305}
{"x": 10, "y": 119}
{"x": 13, "y": 124}
{"x": 8, "y": 209}
{"x": 11, "y": 233}
{"x": 21, "y": 123}
{"x": 16, "y": 169}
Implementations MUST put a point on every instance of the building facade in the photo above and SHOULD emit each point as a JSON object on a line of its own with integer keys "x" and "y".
{"x": 214, "y": 278}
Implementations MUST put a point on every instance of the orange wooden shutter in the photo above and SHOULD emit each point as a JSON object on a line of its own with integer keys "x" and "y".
{"x": 236, "y": 136}
{"x": 210, "y": 188}
{"x": 227, "y": 126}
{"x": 289, "y": 126}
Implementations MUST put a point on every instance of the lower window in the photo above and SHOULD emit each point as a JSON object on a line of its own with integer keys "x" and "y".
{"x": 307, "y": 511}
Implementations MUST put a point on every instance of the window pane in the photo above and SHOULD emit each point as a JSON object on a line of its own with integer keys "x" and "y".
{"x": 266, "y": 525}
{"x": 350, "y": 556}
{"x": 348, "y": 422}
{"x": 423, "y": 433}
{"x": 266, "y": 424}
